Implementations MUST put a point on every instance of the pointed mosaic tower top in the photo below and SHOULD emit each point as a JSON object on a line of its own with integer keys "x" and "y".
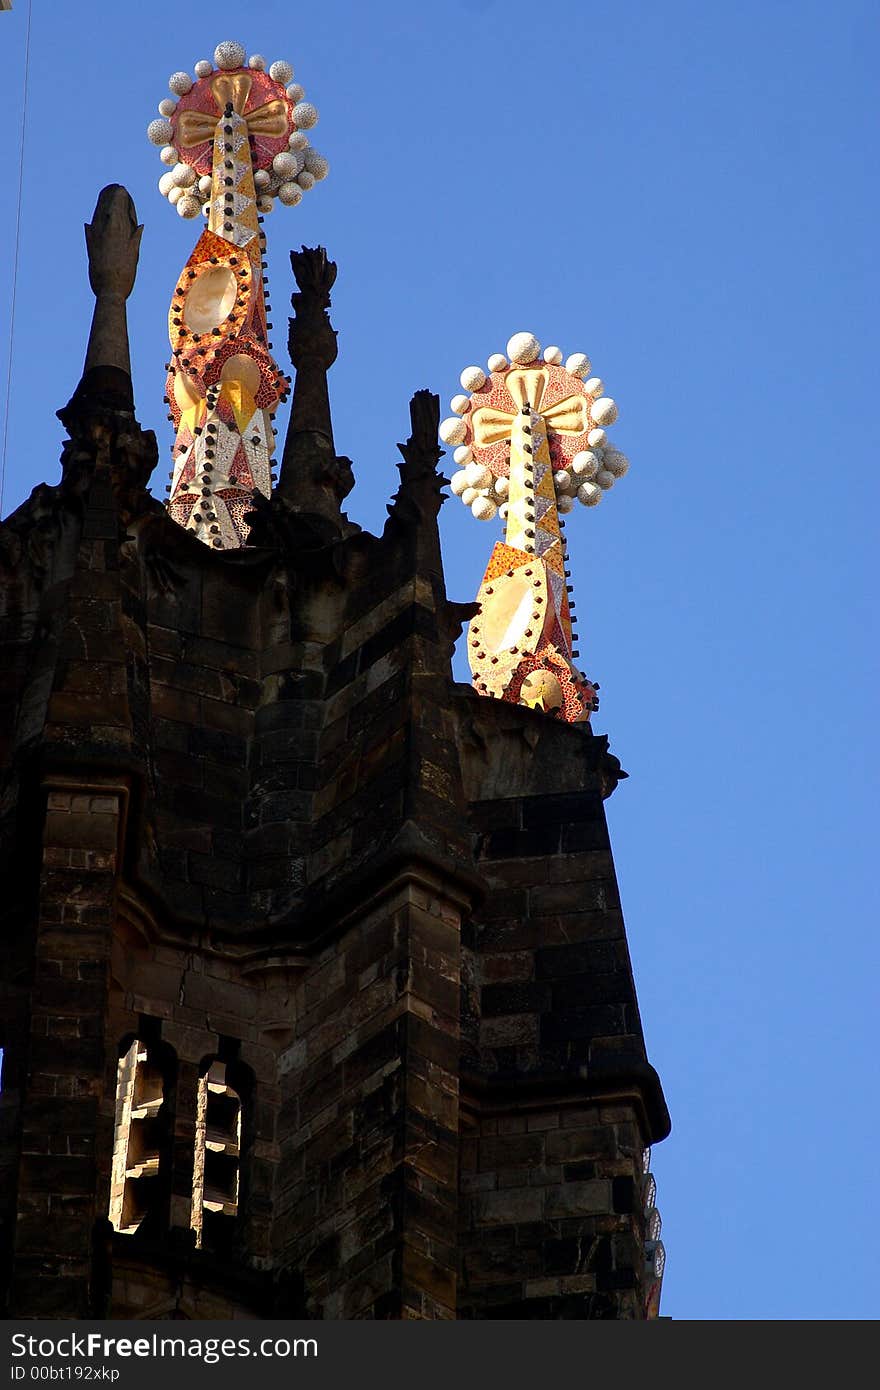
{"x": 530, "y": 440}
{"x": 234, "y": 139}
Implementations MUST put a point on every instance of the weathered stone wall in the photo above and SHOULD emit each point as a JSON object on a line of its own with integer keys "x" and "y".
{"x": 558, "y": 1097}
{"x": 367, "y": 1193}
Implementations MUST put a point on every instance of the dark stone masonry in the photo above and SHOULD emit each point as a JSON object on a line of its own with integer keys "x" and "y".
{"x": 293, "y": 921}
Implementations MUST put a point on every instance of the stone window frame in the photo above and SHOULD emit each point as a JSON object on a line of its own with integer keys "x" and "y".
{"x": 143, "y": 1133}
{"x": 216, "y": 1220}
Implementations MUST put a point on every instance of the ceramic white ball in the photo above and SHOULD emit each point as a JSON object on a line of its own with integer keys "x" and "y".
{"x": 159, "y": 132}
{"x": 616, "y": 463}
{"x": 578, "y": 364}
{"x": 604, "y": 411}
{"x": 285, "y": 165}
{"x": 585, "y": 465}
{"x": 472, "y": 378}
{"x": 453, "y": 430}
{"x": 305, "y": 115}
{"x": 229, "y": 55}
{"x": 479, "y": 475}
{"x": 589, "y": 494}
{"x": 483, "y": 508}
{"x": 316, "y": 164}
{"x": 523, "y": 348}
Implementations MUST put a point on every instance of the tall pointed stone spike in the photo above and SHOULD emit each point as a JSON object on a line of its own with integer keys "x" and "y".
{"x": 311, "y": 478}
{"x": 113, "y": 239}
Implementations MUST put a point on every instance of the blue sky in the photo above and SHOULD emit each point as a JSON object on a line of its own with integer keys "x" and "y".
{"x": 682, "y": 191}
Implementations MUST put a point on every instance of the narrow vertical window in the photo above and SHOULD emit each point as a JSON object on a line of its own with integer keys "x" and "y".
{"x": 137, "y": 1138}
{"x": 217, "y": 1159}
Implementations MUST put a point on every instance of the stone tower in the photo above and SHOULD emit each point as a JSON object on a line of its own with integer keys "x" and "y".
{"x": 316, "y": 996}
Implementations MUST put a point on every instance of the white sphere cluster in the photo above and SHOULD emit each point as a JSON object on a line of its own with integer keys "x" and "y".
{"x": 294, "y": 171}
{"x": 478, "y": 489}
{"x": 593, "y": 469}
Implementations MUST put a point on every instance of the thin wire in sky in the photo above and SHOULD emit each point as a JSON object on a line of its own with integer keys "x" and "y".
{"x": 27, "y": 56}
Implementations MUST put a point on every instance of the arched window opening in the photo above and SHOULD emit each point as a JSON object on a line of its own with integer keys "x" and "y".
{"x": 140, "y": 1136}
{"x": 217, "y": 1165}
